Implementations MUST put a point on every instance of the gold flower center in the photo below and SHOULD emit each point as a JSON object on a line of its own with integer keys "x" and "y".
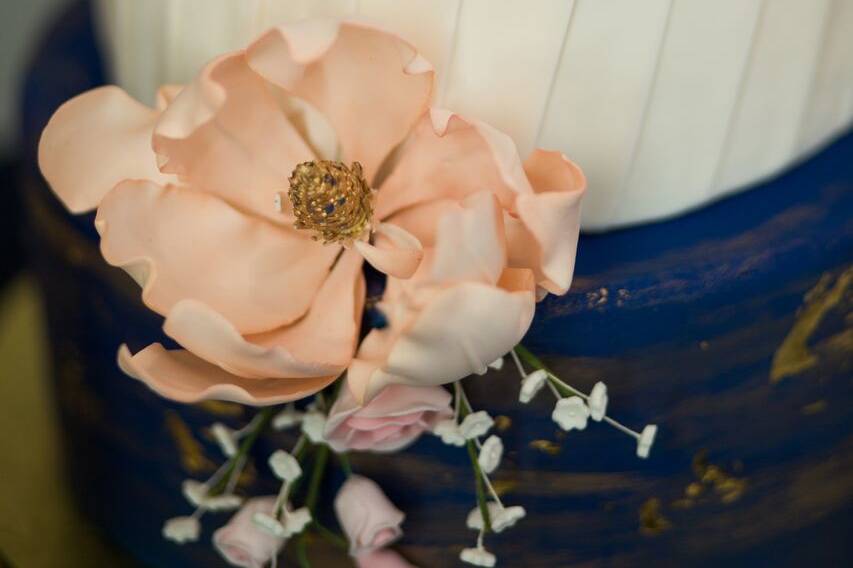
{"x": 330, "y": 199}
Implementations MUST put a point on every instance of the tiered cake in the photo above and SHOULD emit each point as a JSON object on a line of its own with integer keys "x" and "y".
{"x": 661, "y": 113}
{"x": 729, "y": 327}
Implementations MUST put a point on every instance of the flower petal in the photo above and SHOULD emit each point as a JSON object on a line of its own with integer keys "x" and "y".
{"x": 545, "y": 235}
{"x": 93, "y": 142}
{"x": 470, "y": 244}
{"x": 396, "y": 253}
{"x": 420, "y": 220}
{"x": 371, "y": 85}
{"x": 181, "y": 376}
{"x": 320, "y": 344}
{"x": 225, "y": 133}
{"x": 401, "y": 400}
{"x": 183, "y": 244}
{"x": 458, "y": 332}
{"x": 448, "y": 156}
{"x": 369, "y": 519}
{"x": 166, "y": 94}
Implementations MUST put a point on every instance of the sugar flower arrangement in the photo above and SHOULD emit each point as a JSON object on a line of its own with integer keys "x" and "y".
{"x": 246, "y": 205}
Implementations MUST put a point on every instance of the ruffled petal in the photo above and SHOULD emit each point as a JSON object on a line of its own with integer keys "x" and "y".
{"x": 544, "y": 236}
{"x": 459, "y": 331}
{"x": 320, "y": 344}
{"x": 181, "y": 376}
{"x": 371, "y": 85}
{"x": 93, "y": 142}
{"x": 166, "y": 94}
{"x": 399, "y": 400}
{"x": 182, "y": 244}
{"x": 470, "y": 243}
{"x": 419, "y": 220}
{"x": 396, "y": 253}
{"x": 374, "y": 424}
{"x": 225, "y": 133}
{"x": 449, "y": 157}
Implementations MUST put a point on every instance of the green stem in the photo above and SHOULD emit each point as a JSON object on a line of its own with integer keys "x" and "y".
{"x": 481, "y": 488}
{"x": 330, "y": 535}
{"x": 298, "y": 451}
{"x": 529, "y": 357}
{"x": 320, "y": 459}
{"x": 343, "y": 459}
{"x": 245, "y": 446}
{"x": 537, "y": 363}
{"x": 464, "y": 408}
{"x": 302, "y": 552}
{"x": 482, "y": 502}
{"x": 321, "y": 456}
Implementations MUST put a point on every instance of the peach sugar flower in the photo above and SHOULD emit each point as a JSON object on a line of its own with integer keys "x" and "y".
{"x": 331, "y": 121}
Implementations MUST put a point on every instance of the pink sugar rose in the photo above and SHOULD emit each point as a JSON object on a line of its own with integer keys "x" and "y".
{"x": 194, "y": 201}
{"x": 389, "y": 422}
{"x": 242, "y": 543}
{"x": 369, "y": 519}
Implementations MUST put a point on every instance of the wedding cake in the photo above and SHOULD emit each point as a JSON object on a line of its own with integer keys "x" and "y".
{"x": 727, "y": 327}
{"x": 661, "y": 113}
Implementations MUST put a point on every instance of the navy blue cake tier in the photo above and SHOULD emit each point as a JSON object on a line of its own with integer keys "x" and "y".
{"x": 730, "y": 328}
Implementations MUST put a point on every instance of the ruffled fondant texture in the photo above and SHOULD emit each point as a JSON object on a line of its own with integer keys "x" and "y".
{"x": 185, "y": 193}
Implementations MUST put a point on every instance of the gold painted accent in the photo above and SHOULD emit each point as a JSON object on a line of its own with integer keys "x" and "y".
{"x": 816, "y": 407}
{"x": 332, "y": 200}
{"x": 221, "y": 408}
{"x": 546, "y": 446}
{"x": 248, "y": 476}
{"x": 652, "y": 521}
{"x": 684, "y": 503}
{"x": 502, "y": 423}
{"x": 728, "y": 487}
{"x": 190, "y": 451}
{"x": 794, "y": 355}
{"x": 504, "y": 486}
{"x": 598, "y": 298}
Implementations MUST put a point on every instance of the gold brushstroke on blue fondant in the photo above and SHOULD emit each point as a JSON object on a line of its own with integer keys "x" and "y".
{"x": 794, "y": 355}
{"x": 220, "y": 408}
{"x": 189, "y": 449}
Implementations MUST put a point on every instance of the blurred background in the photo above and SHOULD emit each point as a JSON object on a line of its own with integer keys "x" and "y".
{"x": 38, "y": 521}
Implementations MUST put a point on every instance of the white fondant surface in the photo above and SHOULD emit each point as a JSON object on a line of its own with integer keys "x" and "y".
{"x": 666, "y": 104}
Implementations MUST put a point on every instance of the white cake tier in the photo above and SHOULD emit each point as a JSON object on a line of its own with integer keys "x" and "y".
{"x": 666, "y": 104}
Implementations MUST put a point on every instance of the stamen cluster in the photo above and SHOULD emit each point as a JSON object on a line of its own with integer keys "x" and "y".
{"x": 330, "y": 199}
